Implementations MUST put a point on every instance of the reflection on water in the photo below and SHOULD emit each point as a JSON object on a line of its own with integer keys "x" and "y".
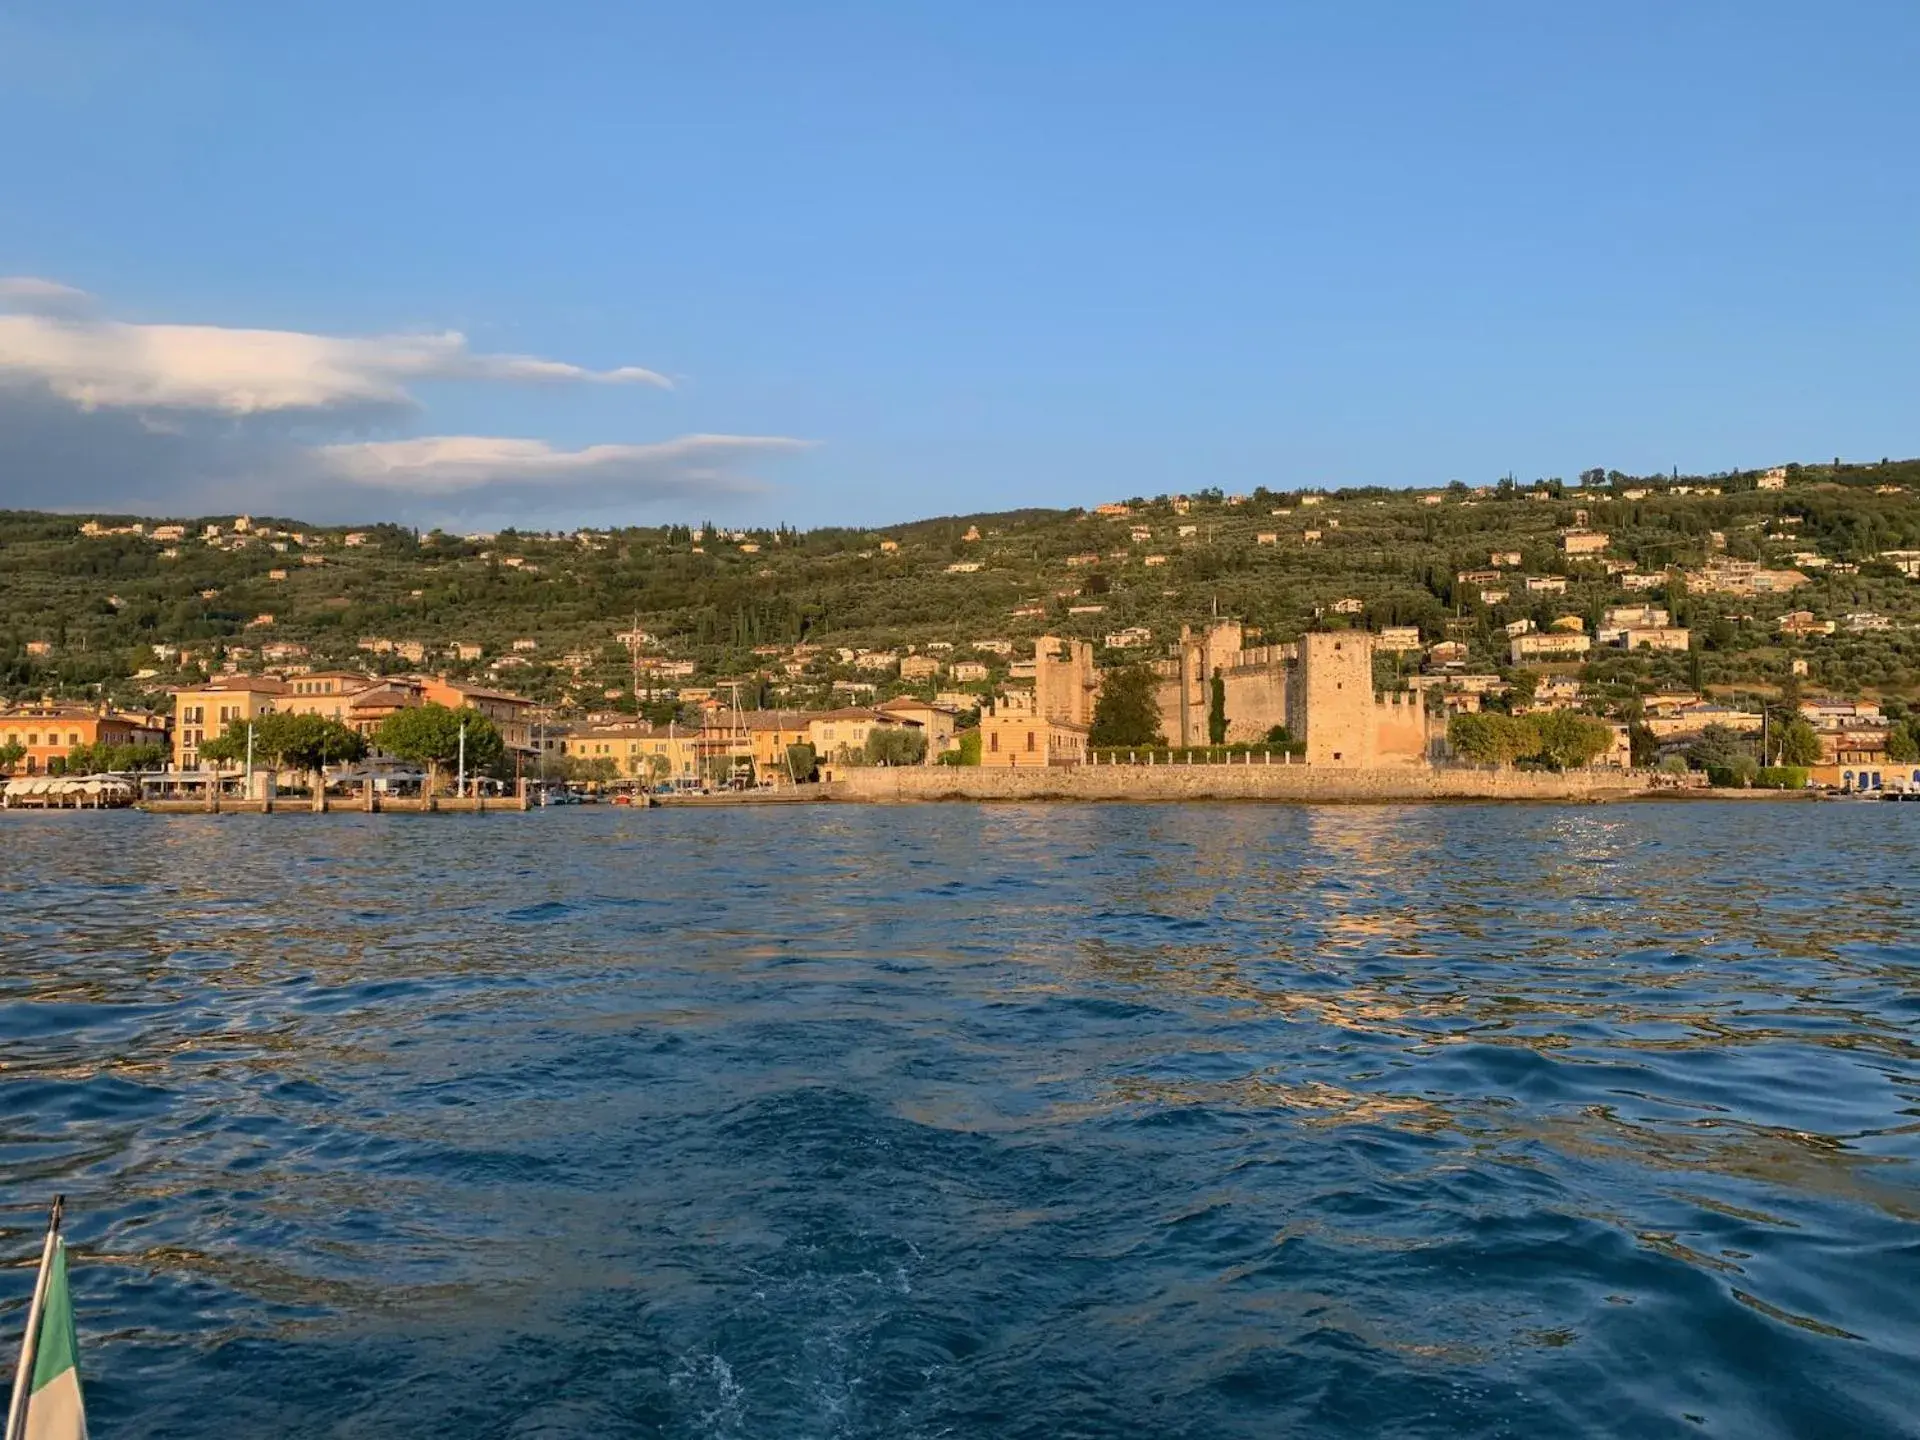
{"x": 1002, "y": 1121}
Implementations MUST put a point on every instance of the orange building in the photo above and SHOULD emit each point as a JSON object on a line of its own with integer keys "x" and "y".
{"x": 357, "y": 701}
{"x": 48, "y": 731}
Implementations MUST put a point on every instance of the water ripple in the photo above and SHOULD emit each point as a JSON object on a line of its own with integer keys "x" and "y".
{"x": 955, "y": 1122}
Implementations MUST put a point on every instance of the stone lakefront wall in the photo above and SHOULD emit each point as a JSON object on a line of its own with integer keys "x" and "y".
{"x": 1230, "y": 782}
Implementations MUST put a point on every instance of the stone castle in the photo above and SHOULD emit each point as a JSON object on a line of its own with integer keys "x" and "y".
{"x": 1321, "y": 689}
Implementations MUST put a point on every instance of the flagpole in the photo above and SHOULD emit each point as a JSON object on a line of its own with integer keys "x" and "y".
{"x": 30, "y": 1343}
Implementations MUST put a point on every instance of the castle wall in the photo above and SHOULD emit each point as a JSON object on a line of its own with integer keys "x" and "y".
{"x": 1269, "y": 782}
{"x": 1255, "y": 681}
{"x": 1256, "y": 701}
{"x": 1402, "y": 733}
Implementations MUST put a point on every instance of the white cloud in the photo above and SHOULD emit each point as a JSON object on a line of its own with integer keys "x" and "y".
{"x": 449, "y": 464}
{"x": 101, "y": 364}
{"x": 185, "y": 419}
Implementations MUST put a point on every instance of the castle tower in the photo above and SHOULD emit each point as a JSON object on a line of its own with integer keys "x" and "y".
{"x": 1064, "y": 681}
{"x": 1335, "y": 711}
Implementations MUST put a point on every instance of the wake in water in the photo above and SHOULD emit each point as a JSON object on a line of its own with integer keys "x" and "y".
{"x": 997, "y": 1123}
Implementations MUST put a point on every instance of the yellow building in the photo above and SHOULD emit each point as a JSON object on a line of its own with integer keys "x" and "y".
{"x": 638, "y": 751}
{"x": 357, "y": 701}
{"x": 1875, "y": 774}
{"x": 939, "y": 723}
{"x": 1013, "y": 731}
{"x": 203, "y": 712}
{"x": 769, "y": 733}
{"x": 325, "y": 692}
{"x": 839, "y": 735}
{"x": 1655, "y": 637}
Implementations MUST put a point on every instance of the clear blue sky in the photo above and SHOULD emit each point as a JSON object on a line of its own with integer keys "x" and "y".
{"x": 996, "y": 254}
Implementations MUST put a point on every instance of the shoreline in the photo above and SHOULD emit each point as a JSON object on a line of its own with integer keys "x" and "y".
{"x": 1146, "y": 785}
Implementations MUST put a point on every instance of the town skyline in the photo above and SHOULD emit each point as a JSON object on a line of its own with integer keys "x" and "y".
{"x": 1658, "y": 627}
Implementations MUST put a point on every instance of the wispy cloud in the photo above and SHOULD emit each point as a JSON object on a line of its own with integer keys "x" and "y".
{"x": 30, "y": 294}
{"x": 108, "y": 363}
{"x": 445, "y": 464}
{"x": 102, "y": 412}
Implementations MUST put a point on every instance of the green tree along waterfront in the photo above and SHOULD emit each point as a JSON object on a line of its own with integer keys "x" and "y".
{"x": 1719, "y": 747}
{"x": 967, "y": 752}
{"x": 1490, "y": 738}
{"x": 294, "y": 742}
{"x": 1568, "y": 740}
{"x": 887, "y": 746}
{"x": 1560, "y": 739}
{"x": 100, "y": 758}
{"x": 1903, "y": 742}
{"x": 430, "y": 736}
{"x": 1799, "y": 745}
{"x": 1127, "y": 712}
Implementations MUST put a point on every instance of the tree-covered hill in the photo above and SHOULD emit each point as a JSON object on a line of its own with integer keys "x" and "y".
{"x": 90, "y": 609}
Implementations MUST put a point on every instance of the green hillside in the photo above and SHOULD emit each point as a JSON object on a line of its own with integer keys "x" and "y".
{"x": 81, "y": 614}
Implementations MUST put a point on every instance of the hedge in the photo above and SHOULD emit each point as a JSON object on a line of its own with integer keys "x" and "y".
{"x": 1194, "y": 754}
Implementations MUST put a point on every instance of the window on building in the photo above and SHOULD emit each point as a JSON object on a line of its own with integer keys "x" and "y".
{"x": 995, "y": 746}
{"x": 1029, "y": 740}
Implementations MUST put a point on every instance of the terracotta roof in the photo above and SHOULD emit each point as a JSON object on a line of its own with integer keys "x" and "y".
{"x": 625, "y": 732}
{"x": 777, "y": 719}
{"x": 383, "y": 694}
{"x": 908, "y": 702}
{"x": 859, "y": 712}
{"x": 261, "y": 684}
{"x": 479, "y": 691}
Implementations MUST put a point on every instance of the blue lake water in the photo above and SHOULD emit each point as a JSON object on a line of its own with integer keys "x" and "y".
{"x": 1043, "y": 1121}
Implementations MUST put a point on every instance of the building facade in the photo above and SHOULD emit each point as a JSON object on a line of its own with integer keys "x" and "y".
{"x": 50, "y": 731}
{"x": 1015, "y": 731}
{"x": 204, "y": 712}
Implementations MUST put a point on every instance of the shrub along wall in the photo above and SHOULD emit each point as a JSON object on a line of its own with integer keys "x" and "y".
{"x": 1247, "y": 752}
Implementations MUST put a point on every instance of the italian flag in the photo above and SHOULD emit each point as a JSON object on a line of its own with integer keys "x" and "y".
{"x": 54, "y": 1411}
